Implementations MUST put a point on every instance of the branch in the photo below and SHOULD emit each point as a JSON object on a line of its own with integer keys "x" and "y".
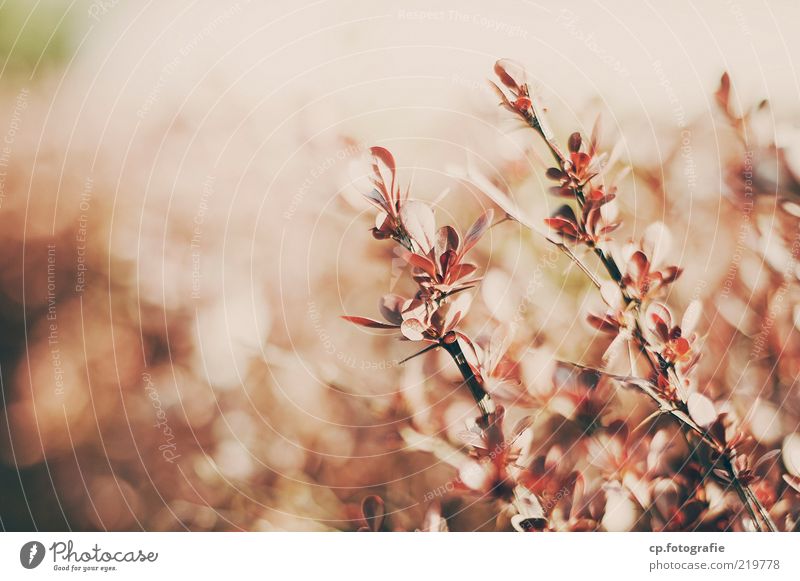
{"x": 757, "y": 511}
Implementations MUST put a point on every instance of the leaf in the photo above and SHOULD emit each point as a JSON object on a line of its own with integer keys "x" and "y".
{"x": 380, "y": 220}
{"x": 724, "y": 91}
{"x": 691, "y": 316}
{"x": 612, "y": 295}
{"x": 656, "y": 242}
{"x": 602, "y": 323}
{"x": 421, "y": 262}
{"x": 387, "y": 159}
{"x": 501, "y": 70}
{"x": 462, "y": 271}
{"x": 638, "y": 266}
{"x": 477, "y": 230}
{"x": 503, "y": 99}
{"x": 595, "y": 139}
{"x": 659, "y": 319}
{"x": 418, "y": 220}
{"x": 562, "y": 191}
{"x": 701, "y": 409}
{"x": 574, "y": 142}
{"x": 722, "y": 475}
{"x": 563, "y": 227}
{"x": 494, "y": 193}
{"x": 452, "y": 312}
{"x": 790, "y": 454}
{"x": 792, "y": 481}
{"x": 375, "y": 198}
{"x": 391, "y": 307}
{"x": 371, "y": 323}
{"x": 413, "y": 330}
{"x": 447, "y": 238}
{"x": 766, "y": 458}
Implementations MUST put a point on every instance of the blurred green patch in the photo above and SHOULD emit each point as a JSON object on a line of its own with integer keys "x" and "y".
{"x": 34, "y": 35}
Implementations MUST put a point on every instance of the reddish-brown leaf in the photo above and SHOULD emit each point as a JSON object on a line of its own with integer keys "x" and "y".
{"x": 477, "y": 230}
{"x": 418, "y": 220}
{"x": 387, "y": 159}
{"x": 366, "y": 322}
{"x": 504, "y": 76}
{"x": 391, "y": 307}
{"x": 574, "y": 142}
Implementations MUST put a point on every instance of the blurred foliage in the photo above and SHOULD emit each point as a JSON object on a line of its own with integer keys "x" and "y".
{"x": 33, "y": 35}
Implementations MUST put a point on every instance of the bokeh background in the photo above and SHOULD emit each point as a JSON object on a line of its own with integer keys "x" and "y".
{"x": 181, "y": 230}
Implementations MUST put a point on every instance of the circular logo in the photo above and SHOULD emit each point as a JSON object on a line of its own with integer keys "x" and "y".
{"x": 31, "y": 554}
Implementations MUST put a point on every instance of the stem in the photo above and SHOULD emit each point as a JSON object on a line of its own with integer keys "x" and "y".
{"x": 488, "y": 420}
{"x": 473, "y": 382}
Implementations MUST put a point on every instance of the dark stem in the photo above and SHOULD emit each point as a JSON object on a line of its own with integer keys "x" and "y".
{"x": 474, "y": 383}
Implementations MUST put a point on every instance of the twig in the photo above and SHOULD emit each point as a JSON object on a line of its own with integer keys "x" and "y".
{"x": 473, "y": 382}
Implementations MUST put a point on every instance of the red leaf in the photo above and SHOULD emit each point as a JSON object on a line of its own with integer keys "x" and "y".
{"x": 461, "y": 271}
{"x": 638, "y": 266}
{"x": 724, "y": 91}
{"x": 418, "y": 220}
{"x": 562, "y": 191}
{"x": 563, "y": 227}
{"x": 574, "y": 142}
{"x": 387, "y": 159}
{"x": 447, "y": 238}
{"x": 371, "y": 323}
{"x": 477, "y": 230}
{"x": 604, "y": 324}
{"x": 391, "y": 307}
{"x": 376, "y": 198}
{"x": 420, "y": 262}
{"x": 504, "y": 76}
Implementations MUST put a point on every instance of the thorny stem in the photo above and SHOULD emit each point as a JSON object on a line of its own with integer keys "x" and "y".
{"x": 757, "y": 511}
